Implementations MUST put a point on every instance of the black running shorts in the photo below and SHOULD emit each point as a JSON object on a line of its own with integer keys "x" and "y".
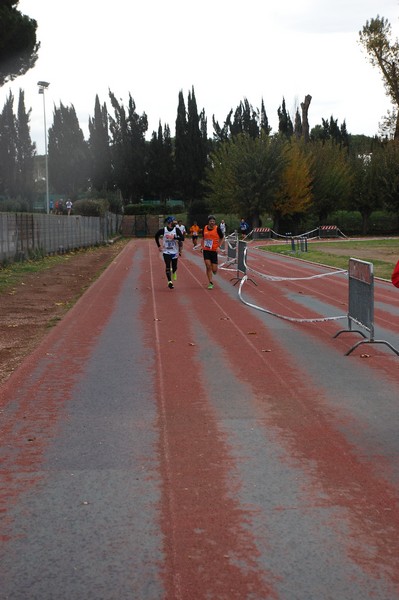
{"x": 210, "y": 255}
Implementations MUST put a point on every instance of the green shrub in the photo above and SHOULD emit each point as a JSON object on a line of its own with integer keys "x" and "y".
{"x": 90, "y": 208}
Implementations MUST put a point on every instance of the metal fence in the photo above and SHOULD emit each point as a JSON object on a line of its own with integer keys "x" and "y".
{"x": 24, "y": 234}
{"x": 361, "y": 303}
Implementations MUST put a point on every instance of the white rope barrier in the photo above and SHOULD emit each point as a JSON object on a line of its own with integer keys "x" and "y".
{"x": 292, "y": 319}
{"x": 276, "y": 278}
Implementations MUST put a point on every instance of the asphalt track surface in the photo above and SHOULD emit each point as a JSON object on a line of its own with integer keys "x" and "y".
{"x": 178, "y": 444}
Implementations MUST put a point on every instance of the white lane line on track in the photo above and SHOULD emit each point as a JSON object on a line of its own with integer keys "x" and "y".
{"x": 210, "y": 294}
{"x": 164, "y": 437}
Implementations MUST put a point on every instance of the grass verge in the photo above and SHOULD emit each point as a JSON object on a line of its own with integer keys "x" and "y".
{"x": 383, "y": 253}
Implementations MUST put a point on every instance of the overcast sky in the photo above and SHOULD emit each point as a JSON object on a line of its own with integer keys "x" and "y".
{"x": 227, "y": 50}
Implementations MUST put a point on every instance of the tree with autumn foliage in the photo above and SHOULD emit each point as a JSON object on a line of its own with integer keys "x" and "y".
{"x": 294, "y": 196}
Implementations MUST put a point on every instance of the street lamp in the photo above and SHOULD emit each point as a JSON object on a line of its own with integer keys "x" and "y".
{"x": 43, "y": 85}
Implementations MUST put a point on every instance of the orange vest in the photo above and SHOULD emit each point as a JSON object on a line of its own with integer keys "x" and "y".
{"x": 194, "y": 230}
{"x": 211, "y": 238}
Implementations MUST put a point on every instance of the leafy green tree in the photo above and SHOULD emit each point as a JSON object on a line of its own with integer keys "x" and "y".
{"x": 67, "y": 153}
{"x": 331, "y": 178}
{"x": 128, "y": 130}
{"x": 367, "y": 191}
{"x": 100, "y": 170}
{"x": 388, "y": 179}
{"x": 383, "y": 53}
{"x": 18, "y": 45}
{"x": 244, "y": 175}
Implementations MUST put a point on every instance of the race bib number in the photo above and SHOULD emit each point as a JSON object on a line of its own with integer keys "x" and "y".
{"x": 208, "y": 244}
{"x": 169, "y": 241}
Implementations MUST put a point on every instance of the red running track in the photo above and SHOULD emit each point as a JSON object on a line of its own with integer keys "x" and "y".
{"x": 178, "y": 444}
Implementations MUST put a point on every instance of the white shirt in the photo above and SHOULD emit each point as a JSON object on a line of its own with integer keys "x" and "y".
{"x": 182, "y": 228}
{"x": 170, "y": 244}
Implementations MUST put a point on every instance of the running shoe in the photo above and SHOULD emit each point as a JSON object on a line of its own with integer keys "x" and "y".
{"x": 175, "y": 275}
{"x": 210, "y": 286}
{"x": 170, "y": 284}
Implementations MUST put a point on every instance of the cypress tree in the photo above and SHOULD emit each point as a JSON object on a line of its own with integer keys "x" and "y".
{"x": 100, "y": 154}
{"x": 264, "y": 121}
{"x": 191, "y": 148}
{"x": 25, "y": 151}
{"x": 245, "y": 120}
{"x": 160, "y": 165}
{"x": 67, "y": 153}
{"x": 128, "y": 149}
{"x": 285, "y": 126}
{"x": 298, "y": 125}
{"x": 182, "y": 149}
{"x": 8, "y": 149}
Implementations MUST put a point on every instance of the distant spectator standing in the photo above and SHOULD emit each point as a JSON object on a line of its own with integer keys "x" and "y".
{"x": 244, "y": 227}
{"x": 51, "y": 206}
{"x": 395, "y": 275}
{"x": 68, "y": 205}
{"x": 223, "y": 230}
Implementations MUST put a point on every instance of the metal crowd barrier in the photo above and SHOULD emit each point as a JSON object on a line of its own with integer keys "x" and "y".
{"x": 361, "y": 303}
{"x": 241, "y": 262}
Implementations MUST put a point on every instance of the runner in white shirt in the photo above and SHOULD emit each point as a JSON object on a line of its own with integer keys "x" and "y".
{"x": 171, "y": 237}
{"x": 184, "y": 233}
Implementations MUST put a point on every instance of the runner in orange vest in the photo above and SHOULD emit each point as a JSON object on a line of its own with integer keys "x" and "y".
{"x": 195, "y": 231}
{"x": 211, "y": 237}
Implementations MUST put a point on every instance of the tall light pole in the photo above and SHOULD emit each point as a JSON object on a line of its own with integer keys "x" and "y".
{"x": 43, "y": 85}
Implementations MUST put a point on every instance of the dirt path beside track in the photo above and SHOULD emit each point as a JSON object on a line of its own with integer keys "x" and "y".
{"x": 29, "y": 309}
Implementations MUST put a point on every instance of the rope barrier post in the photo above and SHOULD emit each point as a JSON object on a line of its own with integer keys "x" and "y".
{"x": 361, "y": 303}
